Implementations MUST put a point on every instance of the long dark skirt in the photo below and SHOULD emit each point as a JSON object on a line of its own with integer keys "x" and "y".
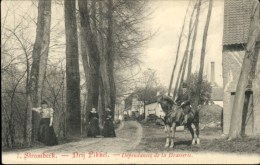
{"x": 93, "y": 130}
{"x": 46, "y": 133}
{"x": 108, "y": 130}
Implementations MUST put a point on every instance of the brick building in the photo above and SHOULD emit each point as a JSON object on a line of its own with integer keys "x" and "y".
{"x": 236, "y": 28}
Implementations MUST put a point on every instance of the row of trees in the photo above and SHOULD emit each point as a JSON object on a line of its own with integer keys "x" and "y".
{"x": 103, "y": 35}
{"x": 186, "y": 62}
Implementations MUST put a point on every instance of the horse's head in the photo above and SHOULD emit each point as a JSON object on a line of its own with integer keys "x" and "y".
{"x": 170, "y": 109}
{"x": 166, "y": 103}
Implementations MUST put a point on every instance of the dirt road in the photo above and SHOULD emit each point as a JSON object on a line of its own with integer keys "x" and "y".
{"x": 129, "y": 135}
{"x": 134, "y": 144}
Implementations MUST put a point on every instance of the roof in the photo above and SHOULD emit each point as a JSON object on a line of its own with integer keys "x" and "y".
{"x": 217, "y": 94}
{"x": 236, "y": 21}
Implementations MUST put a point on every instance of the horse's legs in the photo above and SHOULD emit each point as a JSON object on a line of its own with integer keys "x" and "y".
{"x": 167, "y": 131}
{"x": 173, "y": 130}
{"x": 192, "y": 132}
{"x": 197, "y": 132}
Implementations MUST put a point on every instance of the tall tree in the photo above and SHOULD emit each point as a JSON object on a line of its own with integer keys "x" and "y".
{"x": 104, "y": 81}
{"x": 178, "y": 81}
{"x": 236, "y": 118}
{"x": 203, "y": 54}
{"x": 92, "y": 53}
{"x": 186, "y": 53}
{"x": 177, "y": 54}
{"x": 129, "y": 36}
{"x": 193, "y": 40}
{"x": 83, "y": 50}
{"x": 73, "y": 114}
{"x": 110, "y": 54}
{"x": 39, "y": 64}
{"x": 181, "y": 73}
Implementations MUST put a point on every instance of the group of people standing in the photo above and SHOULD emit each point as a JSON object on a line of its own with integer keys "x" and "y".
{"x": 108, "y": 127}
{"x": 46, "y": 133}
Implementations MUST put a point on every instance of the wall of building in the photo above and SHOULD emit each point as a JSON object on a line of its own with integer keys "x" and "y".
{"x": 232, "y": 63}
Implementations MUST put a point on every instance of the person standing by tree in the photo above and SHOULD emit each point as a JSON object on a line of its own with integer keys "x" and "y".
{"x": 109, "y": 130}
{"x": 46, "y": 132}
{"x": 93, "y": 130}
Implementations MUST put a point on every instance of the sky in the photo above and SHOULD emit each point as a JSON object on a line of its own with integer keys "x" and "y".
{"x": 167, "y": 19}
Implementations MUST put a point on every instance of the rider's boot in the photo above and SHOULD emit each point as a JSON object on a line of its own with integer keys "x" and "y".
{"x": 184, "y": 122}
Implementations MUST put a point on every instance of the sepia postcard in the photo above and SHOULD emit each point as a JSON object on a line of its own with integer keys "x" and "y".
{"x": 130, "y": 81}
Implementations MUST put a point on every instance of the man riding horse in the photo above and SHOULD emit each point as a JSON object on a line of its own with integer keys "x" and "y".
{"x": 184, "y": 102}
{"x": 175, "y": 115}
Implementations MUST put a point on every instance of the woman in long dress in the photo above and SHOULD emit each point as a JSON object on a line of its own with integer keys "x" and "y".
{"x": 93, "y": 130}
{"x": 108, "y": 129}
{"x": 46, "y": 132}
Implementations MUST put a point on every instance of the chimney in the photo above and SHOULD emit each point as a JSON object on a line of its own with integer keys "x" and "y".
{"x": 212, "y": 78}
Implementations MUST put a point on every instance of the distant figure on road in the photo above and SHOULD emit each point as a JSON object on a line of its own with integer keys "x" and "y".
{"x": 46, "y": 132}
{"x": 108, "y": 129}
{"x": 93, "y": 130}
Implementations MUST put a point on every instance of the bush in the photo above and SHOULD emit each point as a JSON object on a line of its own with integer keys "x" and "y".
{"x": 210, "y": 114}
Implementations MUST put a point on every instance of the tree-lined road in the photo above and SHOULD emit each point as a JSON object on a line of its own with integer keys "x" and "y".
{"x": 129, "y": 135}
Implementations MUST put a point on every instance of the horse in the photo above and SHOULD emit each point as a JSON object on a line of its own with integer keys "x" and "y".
{"x": 174, "y": 116}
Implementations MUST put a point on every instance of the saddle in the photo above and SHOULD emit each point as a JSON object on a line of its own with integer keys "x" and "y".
{"x": 174, "y": 115}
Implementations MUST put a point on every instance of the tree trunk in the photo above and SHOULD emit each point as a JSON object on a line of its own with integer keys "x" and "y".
{"x": 177, "y": 54}
{"x": 39, "y": 64}
{"x": 236, "y": 119}
{"x": 102, "y": 102}
{"x": 179, "y": 88}
{"x": 64, "y": 125}
{"x": 85, "y": 60}
{"x": 193, "y": 41}
{"x": 83, "y": 50}
{"x": 110, "y": 55}
{"x": 93, "y": 54}
{"x": 104, "y": 82}
{"x": 202, "y": 57}
{"x": 178, "y": 81}
{"x": 72, "y": 70}
{"x": 27, "y": 104}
